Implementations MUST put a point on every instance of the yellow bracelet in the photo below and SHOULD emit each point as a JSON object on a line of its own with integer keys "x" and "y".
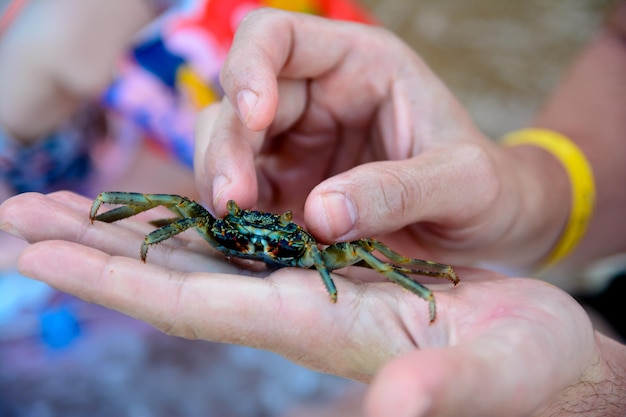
{"x": 581, "y": 180}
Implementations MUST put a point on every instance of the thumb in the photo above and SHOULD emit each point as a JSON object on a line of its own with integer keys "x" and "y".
{"x": 447, "y": 185}
{"x": 453, "y": 381}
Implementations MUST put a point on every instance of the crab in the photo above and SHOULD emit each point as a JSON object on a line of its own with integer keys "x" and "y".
{"x": 271, "y": 238}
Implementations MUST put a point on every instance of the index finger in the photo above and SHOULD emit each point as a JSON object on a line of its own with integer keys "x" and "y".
{"x": 272, "y": 49}
{"x": 270, "y": 44}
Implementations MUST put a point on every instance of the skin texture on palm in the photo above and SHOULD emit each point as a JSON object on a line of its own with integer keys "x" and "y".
{"x": 519, "y": 337}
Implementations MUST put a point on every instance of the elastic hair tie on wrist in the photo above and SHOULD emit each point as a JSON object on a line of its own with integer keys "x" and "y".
{"x": 581, "y": 182}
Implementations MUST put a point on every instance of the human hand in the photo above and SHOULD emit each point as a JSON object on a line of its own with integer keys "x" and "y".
{"x": 346, "y": 126}
{"x": 499, "y": 346}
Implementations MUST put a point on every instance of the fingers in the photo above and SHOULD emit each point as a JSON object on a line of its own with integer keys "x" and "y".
{"x": 63, "y": 215}
{"x": 380, "y": 197}
{"x": 289, "y": 314}
{"x": 226, "y": 150}
{"x": 34, "y": 217}
{"x": 174, "y": 302}
{"x": 485, "y": 378}
{"x": 270, "y": 44}
{"x": 305, "y": 61}
{"x": 440, "y": 383}
{"x": 267, "y": 52}
{"x": 224, "y": 159}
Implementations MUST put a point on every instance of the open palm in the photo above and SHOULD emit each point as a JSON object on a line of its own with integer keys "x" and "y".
{"x": 486, "y": 321}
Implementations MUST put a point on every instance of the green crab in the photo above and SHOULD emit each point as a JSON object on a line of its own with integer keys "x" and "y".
{"x": 271, "y": 238}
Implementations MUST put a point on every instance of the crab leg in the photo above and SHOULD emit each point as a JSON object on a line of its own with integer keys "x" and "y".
{"x": 168, "y": 231}
{"x": 426, "y": 268}
{"x": 343, "y": 254}
{"x": 320, "y": 265}
{"x": 399, "y": 278}
{"x": 134, "y": 203}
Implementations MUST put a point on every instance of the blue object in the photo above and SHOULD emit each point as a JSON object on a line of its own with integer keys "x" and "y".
{"x": 154, "y": 57}
{"x": 59, "y": 327}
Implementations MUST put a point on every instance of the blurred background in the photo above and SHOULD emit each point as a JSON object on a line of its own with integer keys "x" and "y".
{"x": 61, "y": 356}
{"x": 500, "y": 58}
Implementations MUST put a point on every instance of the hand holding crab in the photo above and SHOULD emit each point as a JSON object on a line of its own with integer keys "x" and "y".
{"x": 348, "y": 123}
{"x": 491, "y": 327}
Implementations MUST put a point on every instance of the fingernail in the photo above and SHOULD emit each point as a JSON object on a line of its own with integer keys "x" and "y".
{"x": 10, "y": 229}
{"x": 219, "y": 185}
{"x": 340, "y": 213}
{"x": 246, "y": 102}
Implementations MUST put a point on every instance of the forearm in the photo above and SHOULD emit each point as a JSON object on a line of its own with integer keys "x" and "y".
{"x": 589, "y": 106}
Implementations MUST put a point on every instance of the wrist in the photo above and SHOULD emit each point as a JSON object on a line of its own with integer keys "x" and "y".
{"x": 542, "y": 194}
{"x": 580, "y": 184}
{"x": 601, "y": 389}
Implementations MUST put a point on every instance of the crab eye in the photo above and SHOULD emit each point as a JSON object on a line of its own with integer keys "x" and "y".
{"x": 285, "y": 218}
{"x": 233, "y": 208}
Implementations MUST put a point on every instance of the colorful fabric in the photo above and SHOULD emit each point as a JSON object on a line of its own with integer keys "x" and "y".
{"x": 62, "y": 160}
